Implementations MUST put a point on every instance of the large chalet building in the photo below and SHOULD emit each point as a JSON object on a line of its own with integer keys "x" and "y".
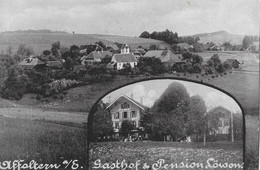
{"x": 125, "y": 108}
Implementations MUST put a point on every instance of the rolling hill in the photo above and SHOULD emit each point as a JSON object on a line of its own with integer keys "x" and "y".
{"x": 220, "y": 37}
{"x": 42, "y": 40}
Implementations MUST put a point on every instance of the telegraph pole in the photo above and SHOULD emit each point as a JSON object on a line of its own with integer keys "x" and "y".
{"x": 232, "y": 128}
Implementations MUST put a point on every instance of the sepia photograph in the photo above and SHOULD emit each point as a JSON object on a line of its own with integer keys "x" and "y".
{"x": 129, "y": 84}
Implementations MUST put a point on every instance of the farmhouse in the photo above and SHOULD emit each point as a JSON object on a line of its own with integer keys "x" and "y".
{"x": 184, "y": 46}
{"x": 254, "y": 47}
{"x": 217, "y": 47}
{"x": 120, "y": 60}
{"x": 232, "y": 62}
{"x": 95, "y": 57}
{"x": 125, "y": 108}
{"x": 112, "y": 48}
{"x": 90, "y": 48}
{"x": 32, "y": 63}
{"x": 54, "y": 64}
{"x": 224, "y": 116}
{"x": 166, "y": 56}
{"x": 140, "y": 51}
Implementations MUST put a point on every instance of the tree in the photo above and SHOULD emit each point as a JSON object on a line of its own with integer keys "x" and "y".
{"x": 21, "y": 50}
{"x": 145, "y": 34}
{"x": 196, "y": 116}
{"x": 248, "y": 40}
{"x": 102, "y": 123}
{"x": 126, "y": 127}
{"x": 151, "y": 65}
{"x": 9, "y": 50}
{"x": 55, "y": 49}
{"x": 15, "y": 84}
{"x": 101, "y": 44}
{"x": 175, "y": 96}
{"x": 46, "y": 52}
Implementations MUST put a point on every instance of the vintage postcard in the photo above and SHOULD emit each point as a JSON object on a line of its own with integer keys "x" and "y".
{"x": 129, "y": 84}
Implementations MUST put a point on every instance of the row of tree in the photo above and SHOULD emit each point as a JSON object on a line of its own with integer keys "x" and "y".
{"x": 175, "y": 115}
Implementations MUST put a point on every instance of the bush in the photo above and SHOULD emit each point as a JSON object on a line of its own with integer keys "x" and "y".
{"x": 38, "y": 97}
{"x": 152, "y": 65}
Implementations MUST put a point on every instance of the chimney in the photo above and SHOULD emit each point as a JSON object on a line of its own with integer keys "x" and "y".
{"x": 132, "y": 96}
{"x": 141, "y": 100}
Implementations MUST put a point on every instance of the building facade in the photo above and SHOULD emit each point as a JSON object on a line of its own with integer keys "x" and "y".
{"x": 125, "y": 108}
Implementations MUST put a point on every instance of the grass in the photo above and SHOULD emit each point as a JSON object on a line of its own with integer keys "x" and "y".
{"x": 172, "y": 152}
{"x": 42, "y": 41}
{"x": 252, "y": 141}
{"x": 40, "y": 141}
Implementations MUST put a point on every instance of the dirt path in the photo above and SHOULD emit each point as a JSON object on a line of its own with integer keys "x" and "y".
{"x": 38, "y": 114}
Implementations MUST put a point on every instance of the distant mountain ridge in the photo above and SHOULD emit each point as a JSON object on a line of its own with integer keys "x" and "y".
{"x": 220, "y": 37}
{"x": 35, "y": 31}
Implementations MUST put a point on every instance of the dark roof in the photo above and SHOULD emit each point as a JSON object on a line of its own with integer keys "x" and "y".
{"x": 140, "y": 50}
{"x": 163, "y": 55}
{"x": 30, "y": 63}
{"x": 121, "y": 58}
{"x": 54, "y": 64}
{"x": 183, "y": 45}
{"x": 97, "y": 55}
{"x": 230, "y": 61}
{"x": 113, "y": 46}
{"x": 130, "y": 99}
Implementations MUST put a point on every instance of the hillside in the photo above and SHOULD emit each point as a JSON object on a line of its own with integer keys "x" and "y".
{"x": 42, "y": 40}
{"x": 220, "y": 37}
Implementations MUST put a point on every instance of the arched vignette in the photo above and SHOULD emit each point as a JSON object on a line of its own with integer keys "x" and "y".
{"x": 94, "y": 109}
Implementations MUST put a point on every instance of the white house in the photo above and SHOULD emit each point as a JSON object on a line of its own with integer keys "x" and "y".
{"x": 120, "y": 60}
{"x": 125, "y": 108}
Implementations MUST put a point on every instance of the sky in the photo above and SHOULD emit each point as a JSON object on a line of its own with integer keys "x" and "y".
{"x": 131, "y": 17}
{"x": 151, "y": 90}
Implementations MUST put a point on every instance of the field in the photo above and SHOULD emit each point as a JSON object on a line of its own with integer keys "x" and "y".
{"x": 172, "y": 152}
{"x": 42, "y": 41}
{"x": 44, "y": 142}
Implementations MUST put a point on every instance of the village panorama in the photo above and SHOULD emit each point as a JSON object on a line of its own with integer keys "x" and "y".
{"x": 114, "y": 98}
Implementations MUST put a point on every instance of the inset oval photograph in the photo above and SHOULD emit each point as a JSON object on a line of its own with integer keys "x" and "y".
{"x": 166, "y": 124}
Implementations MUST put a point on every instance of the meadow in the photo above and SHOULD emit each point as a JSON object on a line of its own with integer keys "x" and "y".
{"x": 47, "y": 143}
{"x": 43, "y": 41}
{"x": 172, "y": 152}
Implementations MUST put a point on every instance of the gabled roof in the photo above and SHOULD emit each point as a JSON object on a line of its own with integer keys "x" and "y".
{"x": 125, "y": 46}
{"x": 183, "y": 45}
{"x": 30, "y": 63}
{"x": 54, "y": 64}
{"x": 97, "y": 55}
{"x": 163, "y": 55}
{"x": 128, "y": 98}
{"x": 122, "y": 58}
{"x": 140, "y": 50}
{"x": 254, "y": 44}
{"x": 230, "y": 61}
{"x": 113, "y": 46}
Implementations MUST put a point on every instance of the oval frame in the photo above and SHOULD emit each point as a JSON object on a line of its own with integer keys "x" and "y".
{"x": 94, "y": 109}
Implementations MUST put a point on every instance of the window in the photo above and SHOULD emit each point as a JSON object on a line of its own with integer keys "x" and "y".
{"x": 117, "y": 125}
{"x": 219, "y": 123}
{"x": 124, "y": 105}
{"x": 226, "y": 123}
{"x": 133, "y": 114}
{"x": 124, "y": 114}
{"x": 116, "y": 115}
